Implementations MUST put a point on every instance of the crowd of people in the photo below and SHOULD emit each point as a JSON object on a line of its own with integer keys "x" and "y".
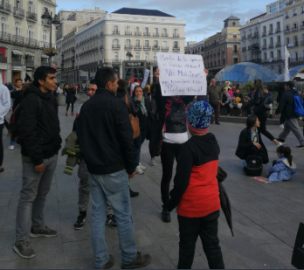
{"x": 108, "y": 133}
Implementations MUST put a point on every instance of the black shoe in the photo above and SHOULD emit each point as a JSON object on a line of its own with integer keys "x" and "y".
{"x": 2, "y": 170}
{"x": 80, "y": 221}
{"x": 111, "y": 221}
{"x": 166, "y": 215}
{"x": 217, "y": 123}
{"x": 133, "y": 193}
{"x": 300, "y": 146}
{"x": 110, "y": 262}
{"x": 280, "y": 140}
{"x": 139, "y": 262}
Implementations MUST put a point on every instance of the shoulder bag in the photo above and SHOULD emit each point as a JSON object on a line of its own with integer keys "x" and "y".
{"x": 134, "y": 120}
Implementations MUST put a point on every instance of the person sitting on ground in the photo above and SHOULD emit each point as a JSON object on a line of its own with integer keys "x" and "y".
{"x": 250, "y": 141}
{"x": 226, "y": 101}
{"x": 283, "y": 168}
{"x": 237, "y": 101}
{"x": 196, "y": 191}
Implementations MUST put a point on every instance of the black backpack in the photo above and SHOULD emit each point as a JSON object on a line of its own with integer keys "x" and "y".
{"x": 254, "y": 166}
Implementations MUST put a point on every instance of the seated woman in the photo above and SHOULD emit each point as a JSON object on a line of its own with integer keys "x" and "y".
{"x": 250, "y": 141}
{"x": 237, "y": 101}
{"x": 283, "y": 168}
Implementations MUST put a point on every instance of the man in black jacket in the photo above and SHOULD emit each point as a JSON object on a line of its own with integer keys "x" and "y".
{"x": 105, "y": 135}
{"x": 39, "y": 134}
{"x": 287, "y": 108}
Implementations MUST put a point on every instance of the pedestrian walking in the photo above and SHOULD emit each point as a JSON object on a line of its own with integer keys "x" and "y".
{"x": 286, "y": 108}
{"x": 70, "y": 98}
{"x": 39, "y": 136}
{"x": 196, "y": 191}
{"x": 105, "y": 135}
{"x": 5, "y": 105}
{"x": 84, "y": 186}
{"x": 215, "y": 100}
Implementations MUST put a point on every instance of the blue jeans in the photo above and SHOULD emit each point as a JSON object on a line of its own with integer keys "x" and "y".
{"x": 138, "y": 143}
{"x": 113, "y": 187}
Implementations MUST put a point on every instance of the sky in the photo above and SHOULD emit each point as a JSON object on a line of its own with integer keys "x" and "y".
{"x": 203, "y": 18}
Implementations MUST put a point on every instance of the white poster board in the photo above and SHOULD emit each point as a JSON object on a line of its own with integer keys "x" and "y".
{"x": 144, "y": 82}
{"x": 181, "y": 74}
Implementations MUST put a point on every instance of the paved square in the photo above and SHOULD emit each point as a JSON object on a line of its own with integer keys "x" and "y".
{"x": 265, "y": 217}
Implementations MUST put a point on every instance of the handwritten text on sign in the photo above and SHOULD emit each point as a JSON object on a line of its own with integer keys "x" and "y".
{"x": 181, "y": 74}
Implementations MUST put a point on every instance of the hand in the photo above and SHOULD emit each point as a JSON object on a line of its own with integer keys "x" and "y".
{"x": 206, "y": 71}
{"x": 132, "y": 175}
{"x": 257, "y": 145}
{"x": 140, "y": 98}
{"x": 223, "y": 104}
{"x": 220, "y": 101}
{"x": 39, "y": 168}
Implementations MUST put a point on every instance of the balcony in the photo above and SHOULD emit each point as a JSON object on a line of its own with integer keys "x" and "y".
{"x": 116, "y": 61}
{"x": 256, "y": 35}
{"x": 291, "y": 45}
{"x": 29, "y": 63}
{"x": 18, "y": 12}
{"x": 258, "y": 60}
{"x": 165, "y": 48}
{"x": 301, "y": 27}
{"x": 255, "y": 46}
{"x": 18, "y": 39}
{"x": 294, "y": 15}
{"x": 278, "y": 30}
{"x": 137, "y": 47}
{"x": 3, "y": 59}
{"x": 137, "y": 33}
{"x": 176, "y": 35}
{"x": 249, "y": 36}
{"x": 45, "y": 45}
{"x": 16, "y": 61}
{"x": 165, "y": 35}
{"x": 270, "y": 32}
{"x": 116, "y": 32}
{"x": 286, "y": 17}
{"x": 286, "y": 31}
{"x": 5, "y": 36}
{"x": 270, "y": 46}
{"x": 264, "y": 34}
{"x": 147, "y": 48}
{"x": 31, "y": 42}
{"x": 128, "y": 33}
{"x": 278, "y": 44}
{"x": 50, "y": 2}
{"x": 146, "y": 34}
{"x": 101, "y": 47}
{"x": 128, "y": 47}
{"x": 302, "y": 42}
{"x": 4, "y": 7}
{"x": 155, "y": 34}
{"x": 116, "y": 46}
{"x": 243, "y": 37}
{"x": 264, "y": 47}
{"x": 294, "y": 29}
{"x": 176, "y": 49}
{"x": 31, "y": 16}
{"x": 155, "y": 48}
{"x": 101, "y": 33}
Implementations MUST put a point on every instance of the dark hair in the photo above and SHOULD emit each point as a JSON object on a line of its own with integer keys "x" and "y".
{"x": 237, "y": 87}
{"x": 93, "y": 81}
{"x": 286, "y": 151}
{"x": 122, "y": 84}
{"x": 24, "y": 87}
{"x": 251, "y": 120}
{"x": 17, "y": 80}
{"x": 41, "y": 73}
{"x": 137, "y": 86}
{"x": 258, "y": 85}
{"x": 290, "y": 84}
{"x": 104, "y": 75}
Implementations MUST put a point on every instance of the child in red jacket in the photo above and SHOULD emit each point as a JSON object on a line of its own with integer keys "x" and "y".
{"x": 196, "y": 191}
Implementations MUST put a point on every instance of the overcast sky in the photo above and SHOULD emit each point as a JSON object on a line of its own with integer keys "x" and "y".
{"x": 203, "y": 18}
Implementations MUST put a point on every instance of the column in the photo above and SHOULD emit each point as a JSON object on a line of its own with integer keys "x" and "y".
{"x": 151, "y": 74}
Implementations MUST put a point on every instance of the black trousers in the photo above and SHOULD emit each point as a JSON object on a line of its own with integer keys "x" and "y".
{"x": 68, "y": 106}
{"x": 1, "y": 144}
{"x": 206, "y": 228}
{"x": 263, "y": 119}
{"x": 168, "y": 154}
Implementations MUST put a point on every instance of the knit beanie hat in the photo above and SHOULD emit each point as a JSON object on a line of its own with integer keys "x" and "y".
{"x": 199, "y": 117}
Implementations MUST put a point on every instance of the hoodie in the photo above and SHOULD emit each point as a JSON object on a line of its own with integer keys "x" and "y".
{"x": 5, "y": 100}
{"x": 196, "y": 190}
{"x": 282, "y": 170}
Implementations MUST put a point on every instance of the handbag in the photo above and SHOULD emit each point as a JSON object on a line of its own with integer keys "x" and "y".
{"x": 298, "y": 251}
{"x": 134, "y": 120}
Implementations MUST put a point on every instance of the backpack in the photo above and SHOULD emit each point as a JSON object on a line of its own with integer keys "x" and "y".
{"x": 298, "y": 105}
{"x": 254, "y": 166}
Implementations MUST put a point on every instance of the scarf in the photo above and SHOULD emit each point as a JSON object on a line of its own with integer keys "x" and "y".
{"x": 142, "y": 106}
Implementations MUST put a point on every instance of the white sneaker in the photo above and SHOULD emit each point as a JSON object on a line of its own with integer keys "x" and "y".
{"x": 11, "y": 147}
{"x": 143, "y": 168}
{"x": 139, "y": 170}
{"x": 152, "y": 162}
{"x": 282, "y": 126}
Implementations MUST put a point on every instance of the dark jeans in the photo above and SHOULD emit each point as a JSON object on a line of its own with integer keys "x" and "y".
{"x": 254, "y": 151}
{"x": 138, "y": 143}
{"x": 216, "y": 108}
{"x": 68, "y": 106}
{"x": 1, "y": 144}
{"x": 227, "y": 106}
{"x": 206, "y": 228}
{"x": 263, "y": 120}
{"x": 169, "y": 152}
{"x": 6, "y": 124}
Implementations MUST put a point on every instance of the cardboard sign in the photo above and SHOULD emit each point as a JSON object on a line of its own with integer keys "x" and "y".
{"x": 143, "y": 84}
{"x": 181, "y": 74}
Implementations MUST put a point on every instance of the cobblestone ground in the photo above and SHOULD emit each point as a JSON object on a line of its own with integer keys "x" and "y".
{"x": 266, "y": 216}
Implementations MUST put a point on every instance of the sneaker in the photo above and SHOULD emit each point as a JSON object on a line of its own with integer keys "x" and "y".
{"x": 111, "y": 221}
{"x": 143, "y": 168}
{"x": 139, "y": 170}
{"x": 78, "y": 225}
{"x": 139, "y": 262}
{"x": 110, "y": 262}
{"x": 282, "y": 126}
{"x": 166, "y": 215}
{"x": 300, "y": 146}
{"x": 133, "y": 193}
{"x": 24, "y": 250}
{"x": 44, "y": 232}
{"x": 152, "y": 162}
{"x": 11, "y": 147}
{"x": 281, "y": 141}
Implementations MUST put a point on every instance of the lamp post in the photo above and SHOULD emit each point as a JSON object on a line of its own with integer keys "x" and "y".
{"x": 48, "y": 18}
{"x": 130, "y": 55}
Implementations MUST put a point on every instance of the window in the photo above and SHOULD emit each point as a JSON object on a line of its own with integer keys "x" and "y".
{"x": 154, "y": 57}
{"x": 296, "y": 56}
{"x": 265, "y": 57}
{"x": 44, "y": 36}
{"x": 234, "y": 37}
{"x": 280, "y": 69}
{"x": 295, "y": 40}
{"x": 235, "y": 60}
{"x": 45, "y": 10}
{"x": 4, "y": 25}
{"x": 155, "y": 44}
{"x": 116, "y": 56}
{"x": 287, "y": 41}
{"x": 295, "y": 12}
{"x": 115, "y": 42}
{"x": 271, "y": 55}
{"x": 282, "y": 4}
{"x": 30, "y": 32}
{"x": 272, "y": 8}
{"x": 115, "y": 29}
{"x": 287, "y": 15}
{"x": 302, "y": 10}
{"x": 137, "y": 56}
{"x": 164, "y": 44}
{"x": 175, "y": 44}
{"x": 18, "y": 30}
{"x": 137, "y": 43}
{"x": 233, "y": 24}
{"x": 128, "y": 43}
{"x": 147, "y": 56}
{"x": 31, "y": 6}
{"x": 156, "y": 31}
{"x": 128, "y": 30}
{"x": 146, "y": 30}
{"x": 137, "y": 29}
{"x": 146, "y": 43}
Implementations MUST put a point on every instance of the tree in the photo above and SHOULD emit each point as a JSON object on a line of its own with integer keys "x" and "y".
{"x": 247, "y": 86}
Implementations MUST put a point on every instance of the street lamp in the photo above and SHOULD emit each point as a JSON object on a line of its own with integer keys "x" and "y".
{"x": 130, "y": 55}
{"x": 49, "y": 19}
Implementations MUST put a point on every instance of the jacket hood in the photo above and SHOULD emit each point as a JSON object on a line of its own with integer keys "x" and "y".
{"x": 292, "y": 167}
{"x": 205, "y": 143}
{"x": 33, "y": 89}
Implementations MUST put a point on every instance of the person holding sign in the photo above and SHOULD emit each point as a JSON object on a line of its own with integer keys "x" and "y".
{"x": 172, "y": 114}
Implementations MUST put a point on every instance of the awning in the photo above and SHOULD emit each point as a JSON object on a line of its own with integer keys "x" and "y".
{"x": 17, "y": 52}
{"x": 29, "y": 53}
{"x": 44, "y": 56}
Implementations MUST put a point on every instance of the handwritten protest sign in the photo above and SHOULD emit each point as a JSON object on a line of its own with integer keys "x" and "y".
{"x": 143, "y": 84}
{"x": 181, "y": 74}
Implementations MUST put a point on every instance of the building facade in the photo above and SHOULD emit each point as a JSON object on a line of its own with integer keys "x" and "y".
{"x": 195, "y": 48}
{"x": 223, "y": 48}
{"x": 128, "y": 40}
{"x": 23, "y": 37}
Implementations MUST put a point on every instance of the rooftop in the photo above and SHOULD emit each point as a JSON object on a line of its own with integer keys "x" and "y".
{"x": 144, "y": 12}
{"x": 232, "y": 18}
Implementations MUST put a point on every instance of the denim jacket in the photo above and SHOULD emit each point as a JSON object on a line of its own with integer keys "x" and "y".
{"x": 282, "y": 171}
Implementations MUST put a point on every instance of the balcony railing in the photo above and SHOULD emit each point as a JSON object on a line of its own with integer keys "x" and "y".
{"x": 176, "y": 49}
{"x": 155, "y": 48}
{"x": 5, "y": 36}
{"x": 296, "y": 60}
{"x": 45, "y": 45}
{"x": 165, "y": 48}
{"x": 258, "y": 60}
{"x": 301, "y": 27}
{"x": 270, "y": 46}
{"x": 255, "y": 46}
{"x": 291, "y": 45}
{"x": 278, "y": 44}
{"x": 31, "y": 42}
{"x": 4, "y": 7}
{"x": 302, "y": 42}
{"x": 147, "y": 48}
{"x": 50, "y": 2}
{"x": 31, "y": 16}
{"x": 176, "y": 35}
{"x": 18, "y": 12}
{"x": 128, "y": 33}
{"x": 249, "y": 36}
{"x": 116, "y": 46}
{"x": 264, "y": 34}
{"x": 278, "y": 30}
{"x": 45, "y": 23}
{"x": 270, "y": 32}
{"x": 137, "y": 47}
{"x": 264, "y": 47}
{"x": 128, "y": 47}
{"x": 243, "y": 37}
{"x": 29, "y": 63}
{"x": 16, "y": 61}
{"x": 116, "y": 32}
{"x": 3, "y": 59}
{"x": 294, "y": 29}
{"x": 101, "y": 47}
{"x": 146, "y": 34}
{"x": 155, "y": 34}
{"x": 18, "y": 39}
{"x": 256, "y": 35}
{"x": 286, "y": 31}
{"x": 243, "y": 49}
{"x": 137, "y": 33}
{"x": 165, "y": 35}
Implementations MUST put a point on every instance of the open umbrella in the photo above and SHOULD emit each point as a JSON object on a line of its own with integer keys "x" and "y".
{"x": 224, "y": 199}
